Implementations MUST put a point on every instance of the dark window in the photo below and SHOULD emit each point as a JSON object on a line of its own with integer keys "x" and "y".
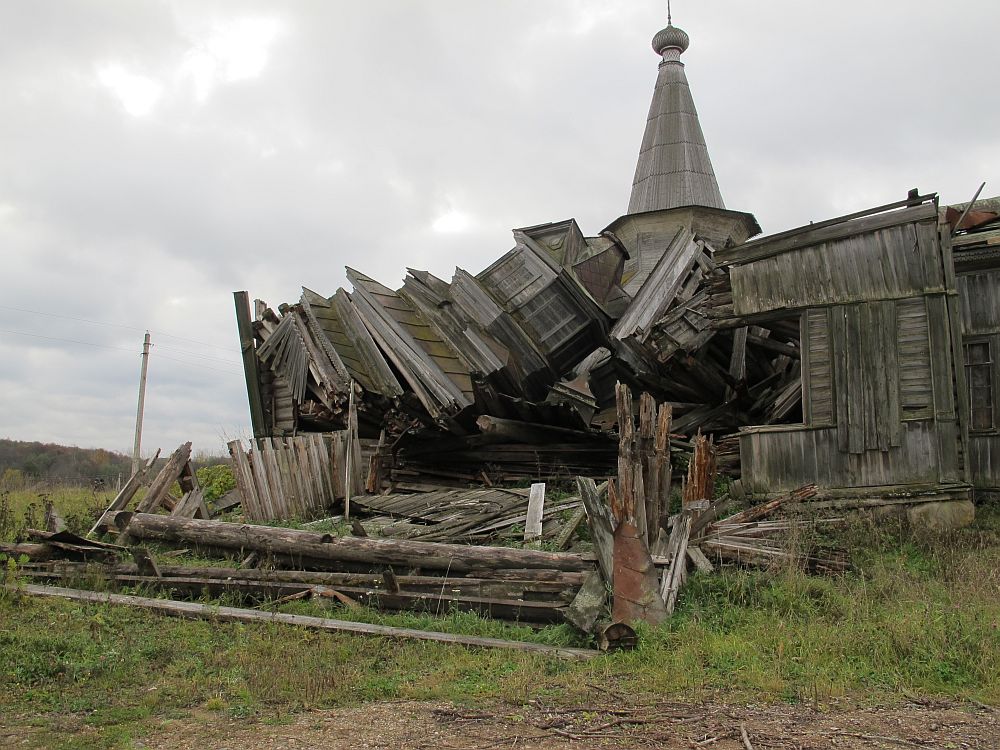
{"x": 979, "y": 376}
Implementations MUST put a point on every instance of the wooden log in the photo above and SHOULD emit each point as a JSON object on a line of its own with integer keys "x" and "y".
{"x": 536, "y": 585}
{"x": 236, "y": 614}
{"x": 635, "y": 583}
{"x": 32, "y": 551}
{"x": 536, "y": 507}
{"x": 437, "y": 599}
{"x": 702, "y": 563}
{"x": 316, "y": 546}
{"x": 616, "y": 636}
{"x": 701, "y": 472}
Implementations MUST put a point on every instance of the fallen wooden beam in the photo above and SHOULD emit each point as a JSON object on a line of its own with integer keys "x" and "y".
{"x": 315, "y": 546}
{"x": 195, "y": 610}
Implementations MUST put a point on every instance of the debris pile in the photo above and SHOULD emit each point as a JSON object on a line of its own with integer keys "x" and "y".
{"x": 439, "y": 551}
{"x": 509, "y": 375}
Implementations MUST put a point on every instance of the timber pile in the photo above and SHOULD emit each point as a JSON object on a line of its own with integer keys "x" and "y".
{"x": 509, "y": 375}
{"x": 469, "y": 516}
{"x": 403, "y": 556}
{"x": 522, "y": 585}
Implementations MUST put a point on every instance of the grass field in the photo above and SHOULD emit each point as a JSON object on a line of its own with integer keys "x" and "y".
{"x": 918, "y": 616}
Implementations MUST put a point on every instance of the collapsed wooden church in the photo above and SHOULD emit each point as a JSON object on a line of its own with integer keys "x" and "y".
{"x": 854, "y": 354}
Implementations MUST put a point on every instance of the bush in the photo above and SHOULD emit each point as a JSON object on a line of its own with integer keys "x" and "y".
{"x": 216, "y": 480}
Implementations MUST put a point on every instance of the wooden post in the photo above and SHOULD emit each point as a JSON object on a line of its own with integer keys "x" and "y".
{"x": 636, "y": 588}
{"x": 533, "y": 523}
{"x": 136, "y": 461}
{"x": 250, "y": 371}
{"x": 352, "y": 421}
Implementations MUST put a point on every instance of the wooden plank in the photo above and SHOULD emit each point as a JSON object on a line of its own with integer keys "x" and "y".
{"x": 536, "y": 506}
{"x": 675, "y": 575}
{"x": 659, "y": 288}
{"x": 279, "y": 502}
{"x": 253, "y": 506}
{"x": 569, "y": 528}
{"x": 169, "y": 474}
{"x": 601, "y": 525}
{"x": 250, "y": 363}
{"x": 125, "y": 495}
{"x": 236, "y": 614}
{"x": 266, "y": 493}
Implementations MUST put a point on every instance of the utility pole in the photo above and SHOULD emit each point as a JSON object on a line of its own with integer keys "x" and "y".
{"x": 136, "y": 461}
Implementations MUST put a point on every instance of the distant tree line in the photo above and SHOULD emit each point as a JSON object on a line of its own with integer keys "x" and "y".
{"x": 33, "y": 462}
{"x": 23, "y": 464}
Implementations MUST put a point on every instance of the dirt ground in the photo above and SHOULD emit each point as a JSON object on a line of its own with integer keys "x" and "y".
{"x": 414, "y": 726}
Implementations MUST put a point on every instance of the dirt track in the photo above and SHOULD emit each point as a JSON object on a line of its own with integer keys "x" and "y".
{"x": 406, "y": 726}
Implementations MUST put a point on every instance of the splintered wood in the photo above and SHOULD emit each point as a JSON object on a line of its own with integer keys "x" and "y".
{"x": 629, "y": 538}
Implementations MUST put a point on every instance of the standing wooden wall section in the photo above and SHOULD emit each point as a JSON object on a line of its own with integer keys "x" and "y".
{"x": 979, "y": 303}
{"x": 293, "y": 478}
{"x": 882, "y": 376}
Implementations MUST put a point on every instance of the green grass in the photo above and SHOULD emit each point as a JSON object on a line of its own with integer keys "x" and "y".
{"x": 25, "y": 509}
{"x": 918, "y": 616}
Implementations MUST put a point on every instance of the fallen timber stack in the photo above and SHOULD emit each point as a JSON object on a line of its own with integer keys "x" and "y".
{"x": 641, "y": 552}
{"x": 318, "y": 549}
{"x": 510, "y": 373}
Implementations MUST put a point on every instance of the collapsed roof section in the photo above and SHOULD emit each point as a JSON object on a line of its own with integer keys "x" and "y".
{"x": 525, "y": 353}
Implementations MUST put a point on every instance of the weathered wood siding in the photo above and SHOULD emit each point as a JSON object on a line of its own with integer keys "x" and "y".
{"x": 979, "y": 308}
{"x": 817, "y": 368}
{"x": 879, "y": 353}
{"x": 777, "y": 460}
{"x": 890, "y": 263}
{"x": 914, "y": 357}
{"x": 979, "y": 302}
{"x": 984, "y": 461}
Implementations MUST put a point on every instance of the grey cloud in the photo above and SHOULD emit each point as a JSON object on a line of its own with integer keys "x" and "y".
{"x": 371, "y": 120}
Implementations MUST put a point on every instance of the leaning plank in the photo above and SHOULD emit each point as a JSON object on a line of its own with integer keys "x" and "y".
{"x": 169, "y": 474}
{"x": 569, "y": 528}
{"x": 674, "y": 576}
{"x": 126, "y": 494}
{"x": 236, "y": 614}
{"x": 602, "y": 525}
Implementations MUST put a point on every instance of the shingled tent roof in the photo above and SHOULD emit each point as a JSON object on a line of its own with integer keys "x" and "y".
{"x": 674, "y": 168}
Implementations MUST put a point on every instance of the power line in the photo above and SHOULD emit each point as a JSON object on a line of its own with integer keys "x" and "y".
{"x": 195, "y": 364}
{"x": 68, "y": 341}
{"x": 114, "y": 348}
{"x": 116, "y": 325}
{"x": 196, "y": 354}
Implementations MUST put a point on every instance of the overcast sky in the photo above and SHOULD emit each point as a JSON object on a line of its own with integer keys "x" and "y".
{"x": 157, "y": 155}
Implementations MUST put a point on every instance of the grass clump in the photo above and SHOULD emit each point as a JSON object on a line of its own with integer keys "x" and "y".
{"x": 918, "y": 615}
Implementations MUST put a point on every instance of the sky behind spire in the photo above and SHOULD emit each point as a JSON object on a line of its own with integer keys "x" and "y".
{"x": 159, "y": 155}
